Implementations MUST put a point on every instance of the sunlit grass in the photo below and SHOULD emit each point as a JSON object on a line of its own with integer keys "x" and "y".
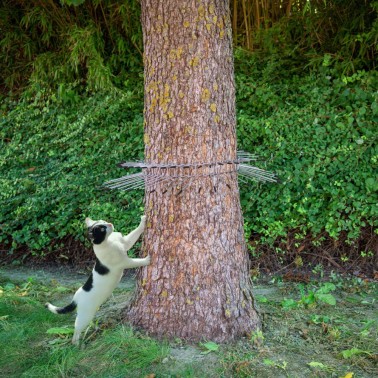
{"x": 27, "y": 350}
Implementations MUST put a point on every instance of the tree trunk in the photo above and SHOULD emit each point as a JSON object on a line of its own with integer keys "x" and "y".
{"x": 198, "y": 285}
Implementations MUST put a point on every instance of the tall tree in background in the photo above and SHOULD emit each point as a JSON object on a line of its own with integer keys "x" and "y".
{"x": 198, "y": 285}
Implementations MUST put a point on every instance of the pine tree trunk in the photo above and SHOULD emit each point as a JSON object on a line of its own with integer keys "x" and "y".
{"x": 197, "y": 286}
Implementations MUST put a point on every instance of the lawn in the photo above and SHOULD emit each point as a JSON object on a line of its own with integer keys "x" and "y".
{"x": 320, "y": 328}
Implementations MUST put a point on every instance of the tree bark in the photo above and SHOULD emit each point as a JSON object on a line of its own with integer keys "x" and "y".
{"x": 198, "y": 284}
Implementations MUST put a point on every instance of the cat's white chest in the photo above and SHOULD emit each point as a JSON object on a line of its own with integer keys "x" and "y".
{"x": 111, "y": 252}
{"x": 103, "y": 285}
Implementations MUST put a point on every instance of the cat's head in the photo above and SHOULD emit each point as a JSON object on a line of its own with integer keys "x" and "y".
{"x": 98, "y": 231}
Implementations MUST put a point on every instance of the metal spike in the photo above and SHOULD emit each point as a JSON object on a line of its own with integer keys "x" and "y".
{"x": 255, "y": 173}
{"x": 174, "y": 173}
{"x": 127, "y": 182}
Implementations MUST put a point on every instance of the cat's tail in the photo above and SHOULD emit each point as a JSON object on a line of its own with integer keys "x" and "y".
{"x": 61, "y": 310}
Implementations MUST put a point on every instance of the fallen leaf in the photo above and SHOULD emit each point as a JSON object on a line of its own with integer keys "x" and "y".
{"x": 353, "y": 352}
{"x": 268, "y": 362}
{"x": 349, "y": 375}
{"x": 210, "y": 347}
{"x": 317, "y": 365}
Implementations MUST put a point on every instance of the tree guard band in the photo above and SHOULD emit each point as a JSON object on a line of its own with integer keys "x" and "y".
{"x": 155, "y": 173}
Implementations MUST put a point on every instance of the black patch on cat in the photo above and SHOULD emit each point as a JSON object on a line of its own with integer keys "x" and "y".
{"x": 97, "y": 234}
{"x": 68, "y": 308}
{"x": 89, "y": 284}
{"x": 100, "y": 268}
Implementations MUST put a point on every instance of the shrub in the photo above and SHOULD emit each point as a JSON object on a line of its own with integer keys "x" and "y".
{"x": 54, "y": 158}
{"x": 316, "y": 132}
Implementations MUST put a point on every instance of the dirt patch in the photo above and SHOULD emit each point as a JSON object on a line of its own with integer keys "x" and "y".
{"x": 60, "y": 275}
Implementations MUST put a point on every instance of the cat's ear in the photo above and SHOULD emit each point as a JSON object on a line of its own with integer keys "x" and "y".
{"x": 89, "y": 222}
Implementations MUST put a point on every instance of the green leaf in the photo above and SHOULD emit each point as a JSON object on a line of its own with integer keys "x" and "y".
{"x": 327, "y": 298}
{"x": 289, "y": 303}
{"x": 269, "y": 362}
{"x": 9, "y": 286}
{"x": 210, "y": 346}
{"x": 371, "y": 184}
{"x": 317, "y": 365}
{"x": 348, "y": 353}
{"x": 261, "y": 298}
{"x": 60, "y": 331}
{"x": 62, "y": 289}
{"x": 74, "y": 2}
{"x": 326, "y": 288}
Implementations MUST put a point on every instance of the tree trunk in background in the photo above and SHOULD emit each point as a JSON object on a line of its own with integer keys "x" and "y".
{"x": 198, "y": 285}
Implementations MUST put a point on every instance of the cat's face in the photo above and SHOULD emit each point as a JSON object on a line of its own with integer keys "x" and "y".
{"x": 98, "y": 231}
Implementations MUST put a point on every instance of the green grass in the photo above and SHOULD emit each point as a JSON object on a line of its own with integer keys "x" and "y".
{"x": 303, "y": 336}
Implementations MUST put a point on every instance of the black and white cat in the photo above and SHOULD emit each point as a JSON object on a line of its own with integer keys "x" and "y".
{"x": 110, "y": 249}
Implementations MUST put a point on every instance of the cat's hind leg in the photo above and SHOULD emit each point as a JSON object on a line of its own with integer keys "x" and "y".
{"x": 83, "y": 318}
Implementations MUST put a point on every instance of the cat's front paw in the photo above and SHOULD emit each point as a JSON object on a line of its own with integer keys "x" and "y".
{"x": 143, "y": 222}
{"x": 147, "y": 260}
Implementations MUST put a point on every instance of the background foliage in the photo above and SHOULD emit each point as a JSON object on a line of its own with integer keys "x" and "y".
{"x": 98, "y": 44}
{"x": 302, "y": 32}
{"x": 72, "y": 107}
{"x": 54, "y": 167}
{"x": 319, "y": 133}
{"x": 49, "y": 44}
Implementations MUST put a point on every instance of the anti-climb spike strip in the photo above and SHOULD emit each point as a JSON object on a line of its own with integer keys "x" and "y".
{"x": 154, "y": 173}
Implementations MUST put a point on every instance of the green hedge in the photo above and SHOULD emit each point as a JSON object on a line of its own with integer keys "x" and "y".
{"x": 317, "y": 132}
{"x": 54, "y": 159}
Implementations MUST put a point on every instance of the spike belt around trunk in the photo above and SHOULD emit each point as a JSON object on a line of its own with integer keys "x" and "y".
{"x": 173, "y": 173}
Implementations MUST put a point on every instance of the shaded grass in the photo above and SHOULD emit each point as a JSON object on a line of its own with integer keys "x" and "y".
{"x": 27, "y": 350}
{"x": 304, "y": 340}
{"x": 308, "y": 340}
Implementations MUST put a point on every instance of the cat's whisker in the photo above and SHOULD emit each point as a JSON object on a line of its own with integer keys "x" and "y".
{"x": 130, "y": 187}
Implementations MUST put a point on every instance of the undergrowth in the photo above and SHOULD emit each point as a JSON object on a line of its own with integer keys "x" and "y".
{"x": 70, "y": 44}
{"x": 317, "y": 132}
{"x": 55, "y": 157}
{"x": 301, "y": 337}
